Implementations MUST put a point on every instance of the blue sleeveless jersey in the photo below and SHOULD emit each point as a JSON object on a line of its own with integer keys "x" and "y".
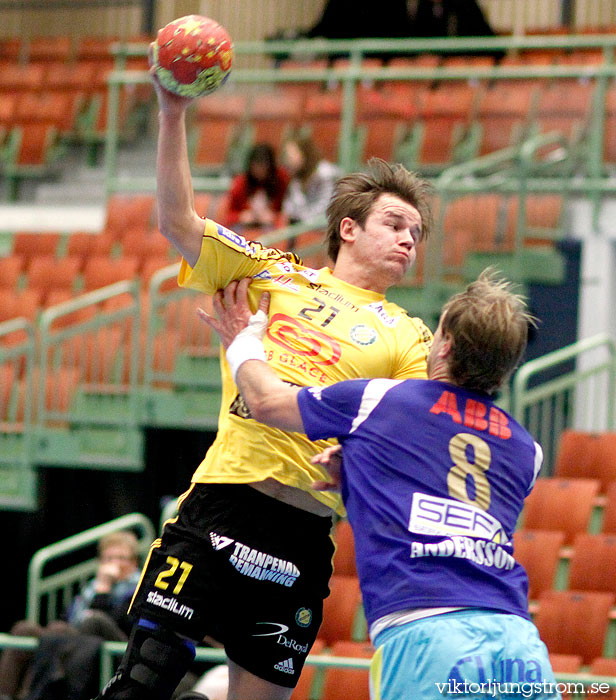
{"x": 434, "y": 478}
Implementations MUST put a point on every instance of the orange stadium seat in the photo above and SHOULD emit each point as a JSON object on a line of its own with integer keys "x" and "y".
{"x": 408, "y": 88}
{"x": 538, "y": 551}
{"x": 46, "y": 272}
{"x": 345, "y": 683}
{"x": 71, "y": 77}
{"x": 30, "y": 245}
{"x": 8, "y": 107}
{"x": 344, "y": 556}
{"x": 608, "y": 523}
{"x": 274, "y": 116}
{"x": 340, "y": 609}
{"x": 49, "y": 48}
{"x": 303, "y": 689}
{"x": 140, "y": 243}
{"x": 23, "y": 78}
{"x": 56, "y": 108}
{"x": 125, "y": 212}
{"x": 101, "y": 271}
{"x": 303, "y": 88}
{"x": 503, "y": 115}
{"x": 574, "y": 622}
{"x": 565, "y": 663}
{"x": 593, "y": 563}
{"x": 560, "y": 504}
{"x": 11, "y": 48}
{"x": 384, "y": 119}
{"x": 10, "y": 271}
{"x": 85, "y": 244}
{"x": 564, "y": 106}
{"x": 14, "y": 304}
{"x": 587, "y": 455}
{"x": 322, "y": 117}
{"x": 218, "y": 122}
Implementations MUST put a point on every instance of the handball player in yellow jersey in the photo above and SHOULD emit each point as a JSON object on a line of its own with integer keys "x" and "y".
{"x": 248, "y": 558}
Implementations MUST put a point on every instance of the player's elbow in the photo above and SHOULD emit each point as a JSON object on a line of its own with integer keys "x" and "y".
{"x": 263, "y": 410}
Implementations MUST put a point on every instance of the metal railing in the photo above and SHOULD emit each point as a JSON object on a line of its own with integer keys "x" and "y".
{"x": 574, "y": 387}
{"x": 17, "y": 356}
{"x": 51, "y": 593}
{"x": 352, "y": 75}
{"x": 89, "y": 359}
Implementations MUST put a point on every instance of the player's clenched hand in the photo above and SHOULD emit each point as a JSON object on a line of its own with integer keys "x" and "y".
{"x": 233, "y": 313}
{"x": 331, "y": 460}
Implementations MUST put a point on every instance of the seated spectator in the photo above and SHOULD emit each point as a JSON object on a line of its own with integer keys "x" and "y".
{"x": 312, "y": 180}
{"x": 255, "y": 197}
{"x": 99, "y": 612}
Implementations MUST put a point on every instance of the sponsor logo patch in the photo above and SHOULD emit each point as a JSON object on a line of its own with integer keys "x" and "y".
{"x": 303, "y": 617}
{"x": 363, "y": 335}
{"x": 285, "y": 666}
{"x": 220, "y": 541}
{"x": 281, "y": 629}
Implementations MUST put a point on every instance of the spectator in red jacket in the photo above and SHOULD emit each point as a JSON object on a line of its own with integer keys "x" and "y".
{"x": 255, "y": 197}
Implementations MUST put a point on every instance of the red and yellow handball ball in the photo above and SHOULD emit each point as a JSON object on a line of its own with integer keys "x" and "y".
{"x": 192, "y": 56}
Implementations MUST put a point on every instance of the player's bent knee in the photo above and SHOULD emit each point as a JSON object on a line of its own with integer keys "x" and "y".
{"x": 155, "y": 661}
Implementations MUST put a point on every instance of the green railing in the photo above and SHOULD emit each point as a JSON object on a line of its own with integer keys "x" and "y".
{"x": 87, "y": 413}
{"x": 593, "y": 182}
{"x": 51, "y": 592}
{"x": 574, "y": 387}
{"x": 17, "y": 474}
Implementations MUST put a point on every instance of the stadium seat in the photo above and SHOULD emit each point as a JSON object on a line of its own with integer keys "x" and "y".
{"x": 10, "y": 271}
{"x": 274, "y": 116}
{"x": 346, "y": 683}
{"x": 126, "y": 212}
{"x": 592, "y": 566}
{"x": 383, "y": 119}
{"x": 322, "y": 117}
{"x": 85, "y": 244}
{"x": 23, "y": 78}
{"x": 587, "y": 455}
{"x": 303, "y": 88}
{"x": 344, "y": 556}
{"x": 574, "y": 622}
{"x": 565, "y": 663}
{"x": 46, "y": 272}
{"x": 11, "y": 48}
{"x": 303, "y": 689}
{"x": 14, "y": 304}
{"x": 340, "y": 609}
{"x": 71, "y": 78}
{"x": 608, "y": 522}
{"x": 503, "y": 115}
{"x": 100, "y": 271}
{"x": 408, "y": 88}
{"x": 8, "y": 108}
{"x": 218, "y": 126}
{"x": 30, "y": 245}
{"x": 446, "y": 114}
{"x": 56, "y": 108}
{"x": 538, "y": 551}
{"x": 560, "y": 504}
{"x": 140, "y": 243}
{"x": 47, "y": 49}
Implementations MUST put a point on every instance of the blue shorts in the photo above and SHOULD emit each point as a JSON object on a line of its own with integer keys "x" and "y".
{"x": 468, "y": 654}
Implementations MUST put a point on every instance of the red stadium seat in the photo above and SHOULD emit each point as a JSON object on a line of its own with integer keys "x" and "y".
{"x": 592, "y": 566}
{"x": 560, "y": 504}
{"x": 587, "y": 455}
{"x": 10, "y": 271}
{"x": 340, "y": 609}
{"x": 344, "y": 556}
{"x": 101, "y": 271}
{"x": 538, "y": 551}
{"x": 574, "y": 622}
{"x": 346, "y": 683}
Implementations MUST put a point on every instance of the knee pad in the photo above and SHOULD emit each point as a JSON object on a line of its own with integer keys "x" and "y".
{"x": 154, "y": 663}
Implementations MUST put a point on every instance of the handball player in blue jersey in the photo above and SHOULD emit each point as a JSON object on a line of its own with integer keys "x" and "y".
{"x": 434, "y": 476}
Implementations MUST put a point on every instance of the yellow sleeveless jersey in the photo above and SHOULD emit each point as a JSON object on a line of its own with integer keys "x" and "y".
{"x": 321, "y": 330}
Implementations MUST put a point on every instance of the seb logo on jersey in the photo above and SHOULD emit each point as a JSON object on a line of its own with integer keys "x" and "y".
{"x": 473, "y": 414}
{"x": 295, "y": 337}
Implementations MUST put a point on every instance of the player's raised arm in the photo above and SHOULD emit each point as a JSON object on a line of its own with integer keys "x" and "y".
{"x": 269, "y": 399}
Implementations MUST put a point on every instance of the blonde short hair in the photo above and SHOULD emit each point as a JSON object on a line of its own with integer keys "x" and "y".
{"x": 120, "y": 538}
{"x": 488, "y": 323}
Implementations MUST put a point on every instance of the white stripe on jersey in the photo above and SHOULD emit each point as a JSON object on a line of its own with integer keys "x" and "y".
{"x": 373, "y": 393}
{"x": 538, "y": 463}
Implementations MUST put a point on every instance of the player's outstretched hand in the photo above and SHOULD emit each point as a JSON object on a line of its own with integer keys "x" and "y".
{"x": 232, "y": 311}
{"x": 331, "y": 459}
